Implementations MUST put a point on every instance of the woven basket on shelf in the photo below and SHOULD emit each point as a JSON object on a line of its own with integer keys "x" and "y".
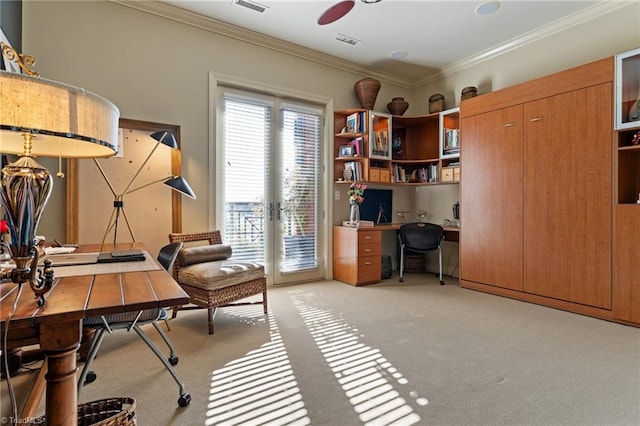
{"x": 436, "y": 103}
{"x": 468, "y": 92}
{"x": 367, "y": 91}
{"x": 118, "y": 411}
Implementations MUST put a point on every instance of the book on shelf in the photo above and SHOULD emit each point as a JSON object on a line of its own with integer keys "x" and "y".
{"x": 353, "y": 171}
{"x": 362, "y": 122}
{"x": 358, "y": 144}
{"x": 348, "y": 172}
{"x": 352, "y": 123}
{"x": 451, "y": 141}
{"x": 433, "y": 172}
{"x": 380, "y": 145}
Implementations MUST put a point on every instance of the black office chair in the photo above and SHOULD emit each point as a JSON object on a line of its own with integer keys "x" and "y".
{"x": 421, "y": 237}
{"x": 132, "y": 321}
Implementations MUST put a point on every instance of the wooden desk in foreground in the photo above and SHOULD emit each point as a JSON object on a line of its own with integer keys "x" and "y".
{"x": 357, "y": 252}
{"x": 57, "y": 326}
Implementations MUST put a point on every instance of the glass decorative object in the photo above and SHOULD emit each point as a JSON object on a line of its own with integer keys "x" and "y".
{"x": 354, "y": 215}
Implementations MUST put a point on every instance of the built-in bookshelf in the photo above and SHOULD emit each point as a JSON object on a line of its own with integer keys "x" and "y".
{"x": 381, "y": 148}
{"x": 362, "y": 146}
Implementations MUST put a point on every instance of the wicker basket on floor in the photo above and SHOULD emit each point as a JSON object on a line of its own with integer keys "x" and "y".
{"x": 119, "y": 411}
{"x": 414, "y": 263}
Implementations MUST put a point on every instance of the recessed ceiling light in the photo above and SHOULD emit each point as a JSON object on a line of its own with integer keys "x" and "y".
{"x": 336, "y": 12}
{"x": 398, "y": 54}
{"x": 370, "y": 1}
{"x": 487, "y": 8}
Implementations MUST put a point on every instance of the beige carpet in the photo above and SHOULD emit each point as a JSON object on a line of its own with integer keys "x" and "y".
{"x": 389, "y": 353}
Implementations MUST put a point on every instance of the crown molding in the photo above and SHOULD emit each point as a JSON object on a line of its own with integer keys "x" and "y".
{"x": 232, "y": 31}
{"x": 235, "y": 32}
{"x": 602, "y": 8}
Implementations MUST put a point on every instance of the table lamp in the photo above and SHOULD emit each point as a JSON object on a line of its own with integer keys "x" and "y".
{"x": 176, "y": 183}
{"x": 40, "y": 117}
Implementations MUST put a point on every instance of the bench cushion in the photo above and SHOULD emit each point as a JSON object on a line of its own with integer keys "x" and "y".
{"x": 219, "y": 274}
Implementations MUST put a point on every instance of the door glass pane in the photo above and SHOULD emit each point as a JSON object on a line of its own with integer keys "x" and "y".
{"x": 246, "y": 136}
{"x": 268, "y": 183}
{"x": 300, "y": 149}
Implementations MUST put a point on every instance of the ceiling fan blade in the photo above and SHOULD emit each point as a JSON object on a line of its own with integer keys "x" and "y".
{"x": 336, "y": 12}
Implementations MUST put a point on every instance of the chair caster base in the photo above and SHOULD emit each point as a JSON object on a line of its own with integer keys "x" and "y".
{"x": 441, "y": 282}
{"x": 184, "y": 399}
{"x": 401, "y": 280}
{"x": 173, "y": 360}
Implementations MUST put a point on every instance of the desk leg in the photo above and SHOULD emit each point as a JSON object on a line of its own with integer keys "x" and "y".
{"x": 59, "y": 342}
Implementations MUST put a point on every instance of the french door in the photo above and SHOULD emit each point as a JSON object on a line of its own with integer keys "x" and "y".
{"x": 269, "y": 177}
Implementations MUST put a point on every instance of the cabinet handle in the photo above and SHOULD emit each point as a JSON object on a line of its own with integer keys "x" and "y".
{"x": 512, "y": 124}
{"x": 368, "y": 263}
{"x": 367, "y": 249}
{"x": 537, "y": 119}
{"x": 368, "y": 237}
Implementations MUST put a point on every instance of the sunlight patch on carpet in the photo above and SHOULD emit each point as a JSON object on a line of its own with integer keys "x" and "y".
{"x": 257, "y": 389}
{"x": 367, "y": 378}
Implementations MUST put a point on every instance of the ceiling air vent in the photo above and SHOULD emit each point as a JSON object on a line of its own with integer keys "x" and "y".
{"x": 251, "y": 5}
{"x": 348, "y": 40}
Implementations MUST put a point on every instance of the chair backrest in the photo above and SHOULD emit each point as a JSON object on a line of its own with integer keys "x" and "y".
{"x": 421, "y": 236}
{"x": 213, "y": 237}
{"x": 168, "y": 254}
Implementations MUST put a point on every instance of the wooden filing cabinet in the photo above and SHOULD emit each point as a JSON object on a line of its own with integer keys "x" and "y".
{"x": 357, "y": 255}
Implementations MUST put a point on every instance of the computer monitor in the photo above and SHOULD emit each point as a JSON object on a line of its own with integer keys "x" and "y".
{"x": 377, "y": 206}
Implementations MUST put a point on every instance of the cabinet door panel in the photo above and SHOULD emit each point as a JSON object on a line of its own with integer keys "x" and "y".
{"x": 626, "y": 305}
{"x": 567, "y": 197}
{"x": 491, "y": 198}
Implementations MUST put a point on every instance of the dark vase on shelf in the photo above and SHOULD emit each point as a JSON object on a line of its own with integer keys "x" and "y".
{"x": 367, "y": 91}
{"x": 397, "y": 106}
{"x": 396, "y": 144}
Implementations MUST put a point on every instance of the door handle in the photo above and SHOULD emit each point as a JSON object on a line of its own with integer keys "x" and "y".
{"x": 270, "y": 208}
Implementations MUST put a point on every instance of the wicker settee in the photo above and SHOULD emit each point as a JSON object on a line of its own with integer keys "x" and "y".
{"x": 210, "y": 279}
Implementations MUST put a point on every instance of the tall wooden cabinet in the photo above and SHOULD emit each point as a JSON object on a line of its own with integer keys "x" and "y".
{"x": 491, "y": 198}
{"x": 567, "y": 196}
{"x": 536, "y": 190}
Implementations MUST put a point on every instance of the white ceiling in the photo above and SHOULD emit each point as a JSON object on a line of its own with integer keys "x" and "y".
{"x": 435, "y": 34}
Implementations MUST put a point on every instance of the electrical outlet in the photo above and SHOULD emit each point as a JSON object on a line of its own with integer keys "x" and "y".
{"x": 336, "y": 195}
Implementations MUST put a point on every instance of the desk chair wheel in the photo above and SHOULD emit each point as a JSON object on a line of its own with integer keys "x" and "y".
{"x": 401, "y": 279}
{"x": 184, "y": 399}
{"x": 173, "y": 360}
{"x": 91, "y": 377}
{"x": 441, "y": 282}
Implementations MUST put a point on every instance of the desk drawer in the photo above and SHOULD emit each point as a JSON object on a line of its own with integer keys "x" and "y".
{"x": 369, "y": 269}
{"x": 369, "y": 249}
{"x": 369, "y": 237}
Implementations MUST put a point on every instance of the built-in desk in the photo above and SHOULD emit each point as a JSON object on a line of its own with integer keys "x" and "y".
{"x": 357, "y": 252}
